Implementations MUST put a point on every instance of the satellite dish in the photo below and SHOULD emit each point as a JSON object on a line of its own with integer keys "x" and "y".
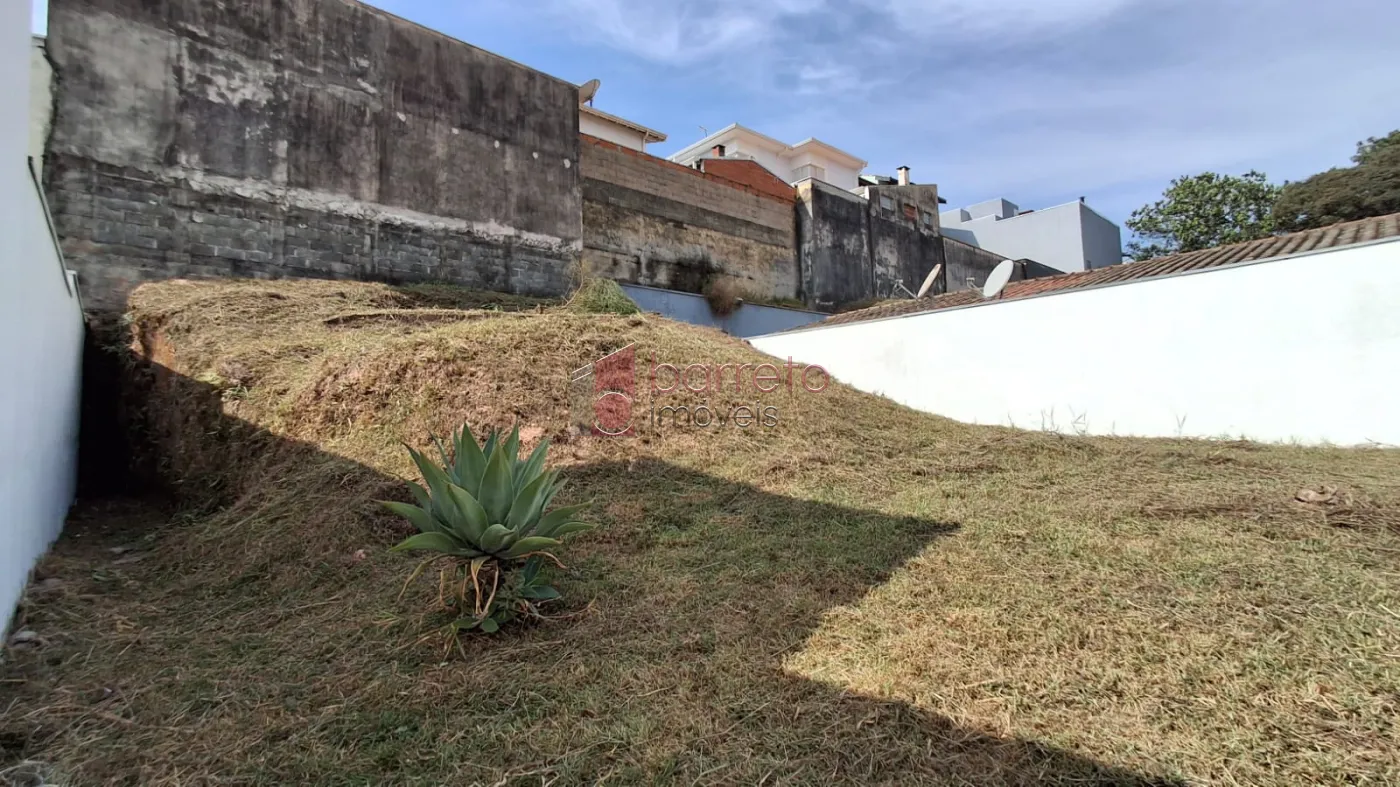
{"x": 930, "y": 280}
{"x": 996, "y": 282}
{"x": 588, "y": 90}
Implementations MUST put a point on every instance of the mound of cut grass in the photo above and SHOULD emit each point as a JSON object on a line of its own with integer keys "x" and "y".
{"x": 601, "y": 296}
{"x": 859, "y": 594}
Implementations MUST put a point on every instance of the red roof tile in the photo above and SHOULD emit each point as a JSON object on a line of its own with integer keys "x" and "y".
{"x": 1335, "y": 236}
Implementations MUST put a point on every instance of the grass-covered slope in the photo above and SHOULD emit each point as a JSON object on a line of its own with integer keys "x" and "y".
{"x": 861, "y": 594}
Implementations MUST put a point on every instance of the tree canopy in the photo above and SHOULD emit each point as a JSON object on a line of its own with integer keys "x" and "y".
{"x": 1370, "y": 188}
{"x": 1202, "y": 211}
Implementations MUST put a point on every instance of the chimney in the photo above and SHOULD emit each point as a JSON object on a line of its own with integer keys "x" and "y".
{"x": 717, "y": 151}
{"x": 903, "y": 176}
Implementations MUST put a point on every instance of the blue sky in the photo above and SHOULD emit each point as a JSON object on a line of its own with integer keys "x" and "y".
{"x": 1039, "y": 101}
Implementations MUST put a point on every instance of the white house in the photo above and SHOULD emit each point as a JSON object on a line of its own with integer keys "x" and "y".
{"x": 1070, "y": 237}
{"x": 810, "y": 158}
{"x": 612, "y": 128}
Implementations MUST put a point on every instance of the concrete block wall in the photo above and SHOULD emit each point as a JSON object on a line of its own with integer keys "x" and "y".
{"x": 653, "y": 222}
{"x": 304, "y": 138}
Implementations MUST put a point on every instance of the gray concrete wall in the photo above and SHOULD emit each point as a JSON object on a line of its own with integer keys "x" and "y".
{"x": 966, "y": 266}
{"x": 40, "y": 99}
{"x": 854, "y": 248}
{"x": 750, "y": 319}
{"x": 904, "y": 245}
{"x": 653, "y": 222}
{"x": 307, "y": 138}
{"x": 833, "y": 235}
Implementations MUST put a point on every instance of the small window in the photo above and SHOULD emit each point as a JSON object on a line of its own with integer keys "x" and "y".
{"x": 886, "y": 203}
{"x": 928, "y": 219}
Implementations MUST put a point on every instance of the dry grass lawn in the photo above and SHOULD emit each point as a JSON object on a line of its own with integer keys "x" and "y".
{"x": 861, "y": 595}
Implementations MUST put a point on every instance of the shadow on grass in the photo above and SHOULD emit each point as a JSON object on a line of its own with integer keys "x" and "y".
{"x": 263, "y": 643}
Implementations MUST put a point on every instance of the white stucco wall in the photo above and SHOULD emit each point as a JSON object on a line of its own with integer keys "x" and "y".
{"x": 1303, "y": 349}
{"x": 612, "y": 132}
{"x": 42, "y": 351}
{"x": 1064, "y": 237}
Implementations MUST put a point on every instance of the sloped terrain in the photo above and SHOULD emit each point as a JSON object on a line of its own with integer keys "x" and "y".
{"x": 859, "y": 594}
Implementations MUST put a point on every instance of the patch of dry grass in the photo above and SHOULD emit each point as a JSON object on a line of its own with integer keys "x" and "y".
{"x": 862, "y": 594}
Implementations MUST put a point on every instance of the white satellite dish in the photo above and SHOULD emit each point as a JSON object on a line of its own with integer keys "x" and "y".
{"x": 930, "y": 280}
{"x": 998, "y": 278}
{"x": 588, "y": 90}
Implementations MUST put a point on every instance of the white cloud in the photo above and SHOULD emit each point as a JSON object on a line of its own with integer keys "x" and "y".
{"x": 1001, "y": 18}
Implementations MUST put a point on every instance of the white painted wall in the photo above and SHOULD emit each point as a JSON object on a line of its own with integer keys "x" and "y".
{"x": 42, "y": 353}
{"x": 1303, "y": 348}
{"x": 612, "y": 132}
{"x": 1065, "y": 237}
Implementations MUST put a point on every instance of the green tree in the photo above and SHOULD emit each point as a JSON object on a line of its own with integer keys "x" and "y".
{"x": 1203, "y": 211}
{"x": 1370, "y": 188}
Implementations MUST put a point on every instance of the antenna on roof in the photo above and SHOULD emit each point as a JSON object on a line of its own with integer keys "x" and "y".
{"x": 588, "y": 90}
{"x": 997, "y": 279}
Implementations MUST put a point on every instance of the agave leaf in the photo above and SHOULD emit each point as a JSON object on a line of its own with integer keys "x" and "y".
{"x": 525, "y": 509}
{"x": 557, "y": 518}
{"x": 433, "y": 542}
{"x": 530, "y": 544}
{"x": 471, "y": 462}
{"x": 512, "y": 446}
{"x": 421, "y": 518}
{"x": 435, "y": 477}
{"x": 470, "y": 519}
{"x": 497, "y": 492}
{"x": 554, "y": 486}
{"x": 540, "y": 593}
{"x": 421, "y": 495}
{"x": 570, "y": 527}
{"x": 495, "y": 538}
{"x": 493, "y": 439}
{"x": 528, "y": 470}
{"x": 442, "y": 452}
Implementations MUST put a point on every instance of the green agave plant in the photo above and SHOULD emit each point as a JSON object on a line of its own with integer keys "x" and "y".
{"x": 484, "y": 502}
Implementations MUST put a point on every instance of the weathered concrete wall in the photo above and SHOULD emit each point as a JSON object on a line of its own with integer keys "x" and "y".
{"x": 855, "y": 248}
{"x": 833, "y": 229}
{"x": 304, "y": 137}
{"x": 904, "y": 240}
{"x": 966, "y": 266}
{"x": 652, "y": 222}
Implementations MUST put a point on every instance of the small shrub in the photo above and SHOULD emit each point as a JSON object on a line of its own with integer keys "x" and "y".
{"x": 483, "y": 515}
{"x": 723, "y": 296}
{"x": 601, "y": 296}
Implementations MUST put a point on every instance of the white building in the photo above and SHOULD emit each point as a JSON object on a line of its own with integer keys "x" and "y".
{"x": 1070, "y": 237}
{"x": 614, "y": 129}
{"x": 810, "y": 158}
{"x": 39, "y": 302}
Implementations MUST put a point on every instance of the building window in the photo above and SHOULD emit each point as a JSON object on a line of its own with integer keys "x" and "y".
{"x": 928, "y": 219}
{"x": 809, "y": 171}
{"x": 886, "y": 203}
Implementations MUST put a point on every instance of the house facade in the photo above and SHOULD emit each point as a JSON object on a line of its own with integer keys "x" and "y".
{"x": 808, "y": 159}
{"x": 619, "y": 131}
{"x": 1071, "y": 237}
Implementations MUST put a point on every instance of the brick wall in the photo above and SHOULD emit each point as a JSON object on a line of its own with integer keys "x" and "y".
{"x": 650, "y": 221}
{"x": 751, "y": 174}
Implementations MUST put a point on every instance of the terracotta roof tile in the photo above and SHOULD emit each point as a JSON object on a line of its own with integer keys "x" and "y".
{"x": 1335, "y": 236}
